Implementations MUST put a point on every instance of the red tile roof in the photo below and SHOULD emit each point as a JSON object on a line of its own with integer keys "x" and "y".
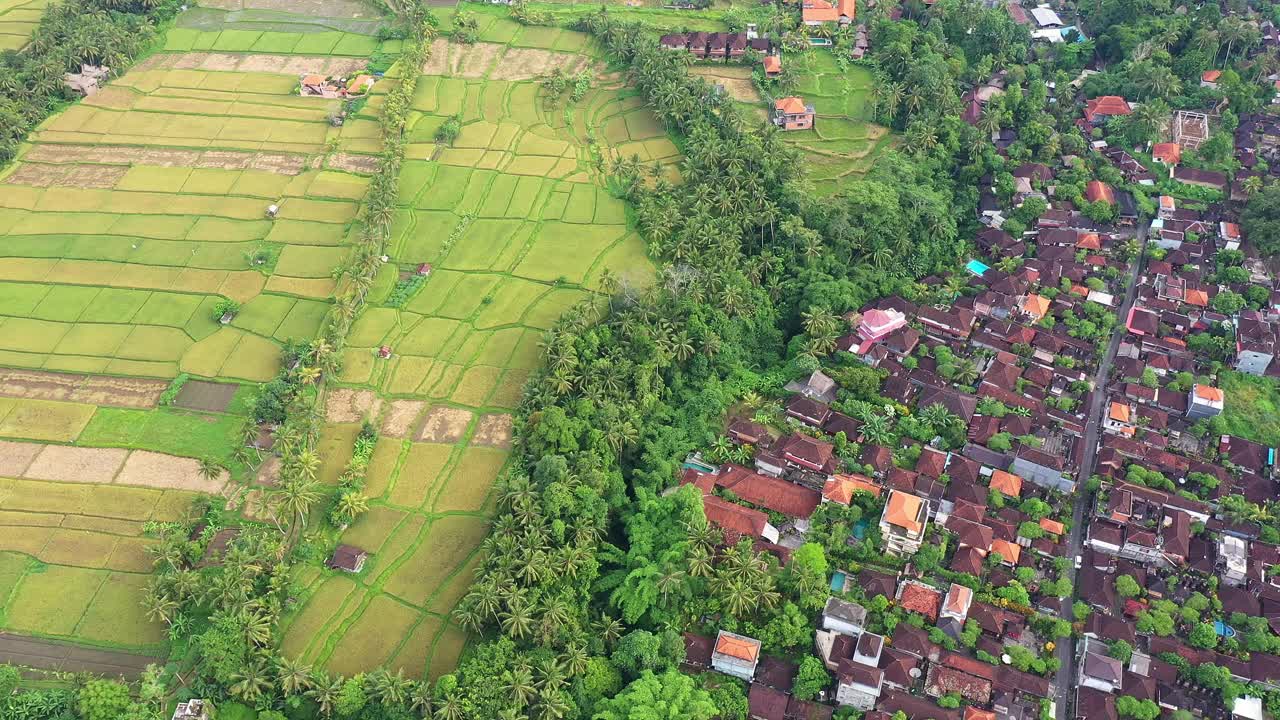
{"x": 791, "y": 106}
{"x": 1097, "y": 190}
{"x": 921, "y": 599}
{"x": 773, "y": 493}
{"x": 1107, "y": 105}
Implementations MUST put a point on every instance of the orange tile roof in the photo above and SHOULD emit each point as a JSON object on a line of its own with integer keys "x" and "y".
{"x": 902, "y": 510}
{"x": 1097, "y": 190}
{"x": 1119, "y": 412}
{"x": 1089, "y": 241}
{"x": 823, "y": 11}
{"x": 772, "y": 64}
{"x": 1009, "y": 551}
{"x": 1080, "y": 290}
{"x": 1231, "y": 229}
{"x": 1007, "y": 483}
{"x": 1167, "y": 202}
{"x": 1167, "y": 153}
{"x": 1106, "y": 105}
{"x": 1198, "y": 297}
{"x": 1052, "y": 526}
{"x": 1206, "y": 392}
{"x": 1211, "y": 75}
{"x": 791, "y": 106}
{"x": 737, "y": 646}
{"x": 1036, "y": 306}
{"x": 313, "y": 80}
{"x": 957, "y": 601}
{"x": 973, "y": 713}
{"x": 841, "y": 488}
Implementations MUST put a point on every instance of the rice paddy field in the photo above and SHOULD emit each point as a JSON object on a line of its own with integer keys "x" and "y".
{"x": 73, "y": 560}
{"x": 126, "y": 219}
{"x": 844, "y": 141}
{"x": 18, "y": 19}
{"x": 517, "y": 226}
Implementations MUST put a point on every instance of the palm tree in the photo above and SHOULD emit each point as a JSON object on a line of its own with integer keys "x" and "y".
{"x": 450, "y": 708}
{"x": 1251, "y": 184}
{"x": 210, "y": 469}
{"x": 391, "y": 690}
{"x": 294, "y": 676}
{"x": 518, "y": 684}
{"x": 250, "y": 682}
{"x": 294, "y": 500}
{"x": 420, "y": 699}
{"x": 877, "y": 430}
{"x": 938, "y": 416}
{"x": 608, "y": 628}
{"x": 158, "y": 606}
{"x": 517, "y": 619}
{"x": 325, "y": 692}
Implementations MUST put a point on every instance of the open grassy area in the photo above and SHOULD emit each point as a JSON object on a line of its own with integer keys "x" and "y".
{"x": 1252, "y": 407}
{"x": 517, "y": 225}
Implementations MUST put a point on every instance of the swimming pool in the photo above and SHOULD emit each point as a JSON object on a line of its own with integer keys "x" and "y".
{"x": 977, "y": 267}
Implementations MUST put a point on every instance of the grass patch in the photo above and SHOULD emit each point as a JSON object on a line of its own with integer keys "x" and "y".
{"x": 175, "y": 432}
{"x": 1252, "y": 408}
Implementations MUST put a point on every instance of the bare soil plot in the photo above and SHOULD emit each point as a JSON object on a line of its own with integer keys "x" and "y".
{"x": 494, "y": 431}
{"x": 530, "y": 63}
{"x": 736, "y": 81}
{"x": 78, "y": 176}
{"x": 354, "y": 163}
{"x": 445, "y": 425}
{"x": 51, "y": 655}
{"x": 313, "y": 8}
{"x": 344, "y": 405}
{"x": 206, "y": 396}
{"x": 400, "y": 417}
{"x": 16, "y": 457}
{"x": 254, "y": 62}
{"x": 72, "y": 464}
{"x": 281, "y": 163}
{"x": 90, "y": 389}
{"x": 157, "y": 470}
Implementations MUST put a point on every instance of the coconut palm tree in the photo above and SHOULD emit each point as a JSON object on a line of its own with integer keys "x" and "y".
{"x": 325, "y": 692}
{"x": 158, "y": 605}
{"x": 250, "y": 682}
{"x": 293, "y": 676}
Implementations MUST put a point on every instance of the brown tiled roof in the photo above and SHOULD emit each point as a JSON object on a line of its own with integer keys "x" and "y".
{"x": 921, "y": 599}
{"x": 775, "y": 494}
{"x": 766, "y": 703}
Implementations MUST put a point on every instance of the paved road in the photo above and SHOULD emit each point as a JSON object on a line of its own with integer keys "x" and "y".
{"x": 51, "y": 655}
{"x": 1065, "y": 679}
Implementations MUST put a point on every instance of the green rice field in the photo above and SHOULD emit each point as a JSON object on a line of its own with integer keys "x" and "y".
{"x": 136, "y": 211}
{"x": 126, "y": 219}
{"x": 844, "y": 141}
{"x": 517, "y": 225}
{"x": 73, "y": 561}
{"x": 18, "y": 19}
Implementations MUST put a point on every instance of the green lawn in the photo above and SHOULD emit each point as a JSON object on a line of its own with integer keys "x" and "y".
{"x": 1252, "y": 408}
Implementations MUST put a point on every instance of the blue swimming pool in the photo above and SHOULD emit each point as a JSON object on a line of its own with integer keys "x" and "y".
{"x": 837, "y": 581}
{"x": 977, "y": 267}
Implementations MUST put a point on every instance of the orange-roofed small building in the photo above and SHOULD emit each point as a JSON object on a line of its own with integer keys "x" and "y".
{"x": 736, "y": 655}
{"x": 1204, "y": 401}
{"x": 903, "y": 522}
{"x": 790, "y": 113}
